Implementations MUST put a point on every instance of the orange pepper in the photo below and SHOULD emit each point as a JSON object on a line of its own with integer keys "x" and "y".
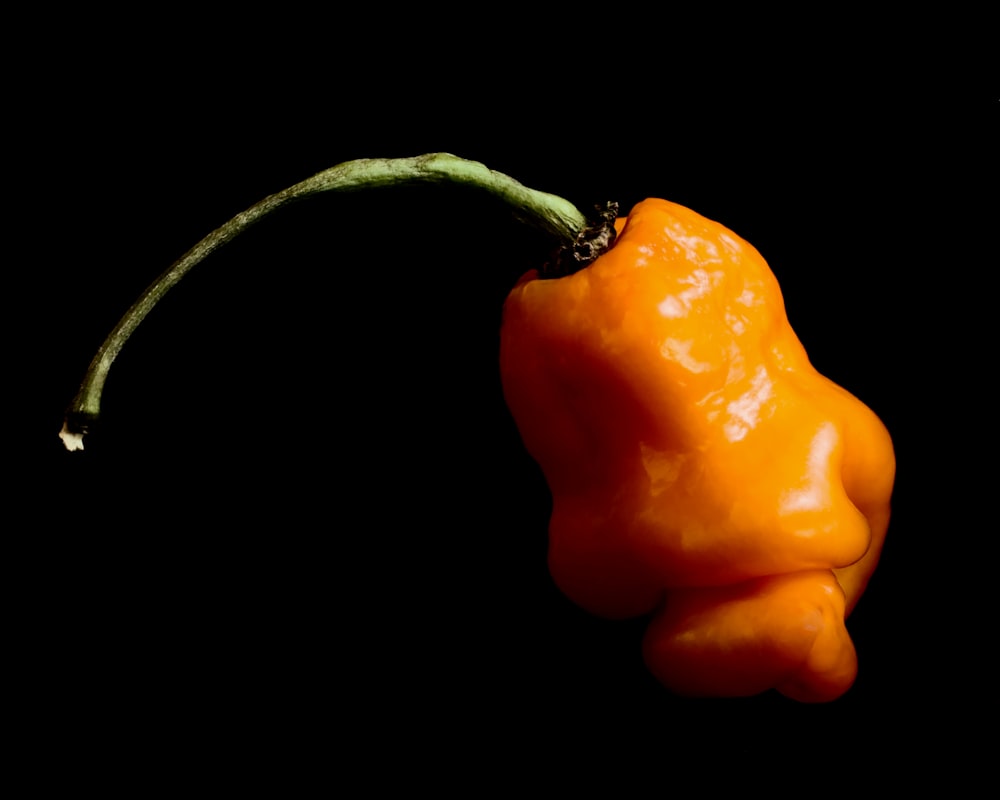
{"x": 701, "y": 470}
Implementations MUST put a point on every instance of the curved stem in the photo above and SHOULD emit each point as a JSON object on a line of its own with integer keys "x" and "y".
{"x": 545, "y": 211}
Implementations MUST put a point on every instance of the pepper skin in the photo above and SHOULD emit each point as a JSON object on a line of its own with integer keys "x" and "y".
{"x": 701, "y": 470}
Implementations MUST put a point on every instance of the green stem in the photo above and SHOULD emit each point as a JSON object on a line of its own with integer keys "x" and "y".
{"x": 547, "y": 212}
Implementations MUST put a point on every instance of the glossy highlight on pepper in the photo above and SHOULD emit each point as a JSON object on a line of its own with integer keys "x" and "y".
{"x": 702, "y": 471}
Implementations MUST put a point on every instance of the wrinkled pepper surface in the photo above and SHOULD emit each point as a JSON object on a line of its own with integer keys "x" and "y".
{"x": 701, "y": 470}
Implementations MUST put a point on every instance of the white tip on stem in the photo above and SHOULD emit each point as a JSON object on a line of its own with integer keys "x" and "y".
{"x": 73, "y": 441}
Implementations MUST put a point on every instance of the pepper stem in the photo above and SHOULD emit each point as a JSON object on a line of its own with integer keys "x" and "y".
{"x": 549, "y": 213}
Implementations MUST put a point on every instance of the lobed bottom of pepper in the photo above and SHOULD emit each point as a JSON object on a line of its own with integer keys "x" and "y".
{"x": 785, "y": 632}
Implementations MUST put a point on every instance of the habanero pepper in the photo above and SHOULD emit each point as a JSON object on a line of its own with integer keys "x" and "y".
{"x": 701, "y": 470}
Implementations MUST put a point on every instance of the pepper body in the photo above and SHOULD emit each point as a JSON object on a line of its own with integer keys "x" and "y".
{"x": 701, "y": 470}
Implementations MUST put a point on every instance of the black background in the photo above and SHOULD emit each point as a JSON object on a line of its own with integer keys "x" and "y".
{"x": 306, "y": 540}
